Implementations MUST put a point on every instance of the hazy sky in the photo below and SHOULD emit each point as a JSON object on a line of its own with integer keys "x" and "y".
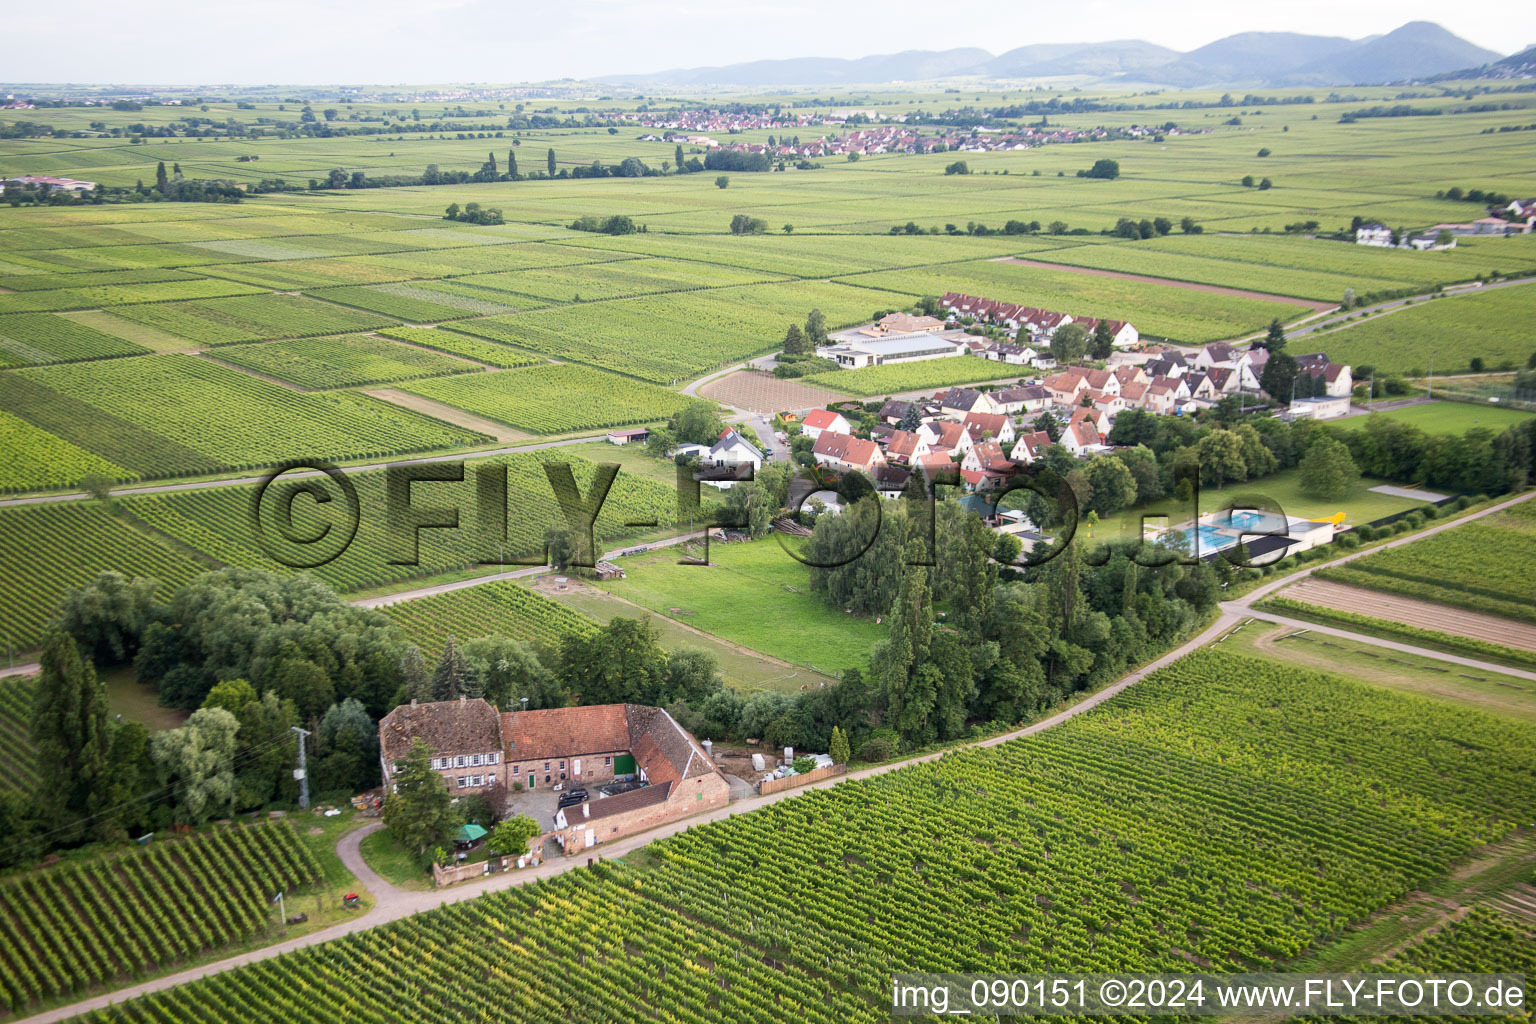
{"x": 421, "y": 41}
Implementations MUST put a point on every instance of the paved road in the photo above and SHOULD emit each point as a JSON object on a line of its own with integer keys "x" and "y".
{"x": 392, "y": 904}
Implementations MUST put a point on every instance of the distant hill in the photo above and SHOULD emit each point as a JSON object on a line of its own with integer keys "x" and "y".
{"x": 1416, "y": 50}
{"x": 1519, "y": 65}
{"x": 1419, "y": 49}
{"x": 1248, "y": 57}
{"x": 1045, "y": 60}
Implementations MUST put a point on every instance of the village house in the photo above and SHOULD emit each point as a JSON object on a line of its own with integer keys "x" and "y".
{"x": 843, "y": 452}
{"x": 894, "y": 411}
{"x": 1373, "y": 234}
{"x": 1080, "y": 436}
{"x": 1168, "y": 364}
{"x": 936, "y": 464}
{"x": 1016, "y": 355}
{"x": 1028, "y": 398}
{"x": 947, "y": 436}
{"x": 1250, "y": 367}
{"x": 1338, "y": 380}
{"x": 47, "y": 185}
{"x": 985, "y": 467}
{"x": 734, "y": 450}
{"x": 1216, "y": 354}
{"x": 906, "y": 447}
{"x": 1121, "y": 334}
{"x": 964, "y": 401}
{"x": 983, "y": 425}
{"x": 1029, "y": 447}
{"x": 464, "y": 737}
{"x": 1066, "y": 386}
{"x": 818, "y": 420}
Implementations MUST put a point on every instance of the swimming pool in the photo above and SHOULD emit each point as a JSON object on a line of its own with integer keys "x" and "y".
{"x": 1248, "y": 519}
{"x": 1210, "y": 540}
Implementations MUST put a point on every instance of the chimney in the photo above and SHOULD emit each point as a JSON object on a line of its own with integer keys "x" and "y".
{"x": 463, "y": 699}
{"x": 413, "y": 702}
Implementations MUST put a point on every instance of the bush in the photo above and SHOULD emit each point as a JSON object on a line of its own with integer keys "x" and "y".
{"x": 881, "y": 746}
{"x": 1348, "y": 541}
{"x": 1365, "y": 533}
{"x": 958, "y": 167}
{"x": 1104, "y": 168}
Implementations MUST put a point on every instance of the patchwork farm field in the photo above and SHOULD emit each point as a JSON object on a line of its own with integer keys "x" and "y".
{"x": 1354, "y": 797}
{"x": 553, "y": 398}
{"x": 1453, "y": 330}
{"x": 920, "y": 376}
{"x": 342, "y": 362}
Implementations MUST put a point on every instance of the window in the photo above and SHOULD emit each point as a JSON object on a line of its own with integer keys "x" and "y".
{"x": 474, "y": 760}
{"x": 607, "y": 761}
{"x": 492, "y": 758}
{"x": 463, "y": 781}
{"x": 458, "y": 762}
{"x": 562, "y": 765}
{"x": 546, "y": 780}
{"x": 546, "y": 766}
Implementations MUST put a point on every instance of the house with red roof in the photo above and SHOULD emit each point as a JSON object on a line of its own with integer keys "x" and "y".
{"x": 819, "y": 420}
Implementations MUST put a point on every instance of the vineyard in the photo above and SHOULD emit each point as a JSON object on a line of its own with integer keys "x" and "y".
{"x": 342, "y": 362}
{"x": 916, "y": 376}
{"x": 553, "y": 398}
{"x": 252, "y": 318}
{"x": 674, "y": 337}
{"x": 1484, "y": 566}
{"x": 27, "y": 338}
{"x": 67, "y": 930}
{"x": 416, "y": 301}
{"x": 464, "y": 345}
{"x": 1227, "y": 811}
{"x": 123, "y": 295}
{"x": 216, "y": 521}
{"x": 502, "y": 608}
{"x": 1455, "y": 329}
{"x": 18, "y": 773}
{"x": 36, "y": 458}
{"x": 257, "y": 422}
{"x": 50, "y": 549}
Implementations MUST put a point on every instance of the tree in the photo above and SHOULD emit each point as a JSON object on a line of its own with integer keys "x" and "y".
{"x": 1265, "y": 185}
{"x": 1102, "y": 345}
{"x": 794, "y": 341}
{"x": 490, "y": 163}
{"x": 1188, "y": 226}
{"x": 1048, "y": 423}
{"x": 512, "y": 165}
{"x": 1162, "y": 225}
{"x": 1057, "y": 227}
{"x": 549, "y": 161}
{"x": 741, "y": 224}
{"x": 1264, "y": 151}
{"x": 107, "y": 617}
{"x": 837, "y": 748}
{"x": 71, "y": 734}
{"x": 198, "y": 761}
{"x": 722, "y": 182}
{"x": 1007, "y": 549}
{"x": 748, "y": 507}
{"x": 510, "y": 670}
{"x": 1274, "y": 337}
{"x": 789, "y": 229}
{"x": 816, "y": 328}
{"x": 631, "y": 167}
{"x": 1103, "y": 168}
{"x": 912, "y": 418}
{"x": 415, "y": 680}
{"x": 679, "y": 158}
{"x": 621, "y": 662}
{"x": 1327, "y": 470}
{"x": 1278, "y": 375}
{"x": 1221, "y": 457}
{"x": 419, "y": 812}
{"x": 1068, "y": 343}
{"x": 346, "y": 749}
{"x": 1247, "y": 181}
{"x": 510, "y": 838}
{"x": 1113, "y": 486}
{"x": 958, "y": 167}
{"x": 454, "y": 678}
{"x": 162, "y": 180}
{"x": 697, "y": 423}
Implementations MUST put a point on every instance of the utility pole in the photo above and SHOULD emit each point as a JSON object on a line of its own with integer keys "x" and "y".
{"x": 299, "y": 773}
{"x": 1370, "y": 398}
{"x": 1429, "y": 388}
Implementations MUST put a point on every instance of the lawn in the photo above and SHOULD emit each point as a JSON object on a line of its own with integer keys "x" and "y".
{"x": 1446, "y": 417}
{"x": 753, "y": 594}
{"x": 918, "y": 376}
{"x": 397, "y": 865}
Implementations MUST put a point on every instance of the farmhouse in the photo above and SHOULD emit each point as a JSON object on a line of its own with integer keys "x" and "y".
{"x": 594, "y": 745}
{"x": 1373, "y": 234}
{"x": 44, "y": 183}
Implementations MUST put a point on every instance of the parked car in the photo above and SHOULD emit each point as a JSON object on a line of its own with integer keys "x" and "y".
{"x": 571, "y": 798}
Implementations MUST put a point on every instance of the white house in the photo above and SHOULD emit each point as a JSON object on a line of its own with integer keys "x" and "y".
{"x": 733, "y": 450}
{"x": 1325, "y": 408}
{"x": 1373, "y": 234}
{"x": 824, "y": 419}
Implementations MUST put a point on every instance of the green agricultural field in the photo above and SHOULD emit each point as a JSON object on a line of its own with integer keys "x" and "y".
{"x": 253, "y": 318}
{"x": 919, "y": 376}
{"x": 35, "y": 458}
{"x": 1450, "y": 331}
{"x": 34, "y": 338}
{"x": 216, "y": 522}
{"x": 553, "y": 398}
{"x": 50, "y": 549}
{"x": 18, "y": 771}
{"x": 502, "y": 608}
{"x": 258, "y": 422}
{"x": 1484, "y": 566}
{"x": 342, "y": 362}
{"x": 454, "y": 343}
{"x": 753, "y": 594}
{"x": 1348, "y": 799}
{"x": 147, "y": 909}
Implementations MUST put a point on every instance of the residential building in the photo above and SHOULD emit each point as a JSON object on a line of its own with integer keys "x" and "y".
{"x": 1373, "y": 234}
{"x": 1080, "y": 436}
{"x": 982, "y": 425}
{"x": 1029, "y": 447}
{"x": 964, "y": 401}
{"x": 818, "y": 420}
{"x": 1325, "y": 408}
{"x": 1024, "y": 399}
{"x": 843, "y": 452}
{"x": 907, "y": 446}
{"x": 464, "y": 737}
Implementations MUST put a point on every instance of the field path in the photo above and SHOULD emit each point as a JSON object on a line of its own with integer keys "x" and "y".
{"x": 1215, "y": 289}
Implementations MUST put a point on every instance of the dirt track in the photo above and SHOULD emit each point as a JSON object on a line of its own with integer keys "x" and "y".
{"x": 1215, "y": 289}
{"x": 1411, "y": 612}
